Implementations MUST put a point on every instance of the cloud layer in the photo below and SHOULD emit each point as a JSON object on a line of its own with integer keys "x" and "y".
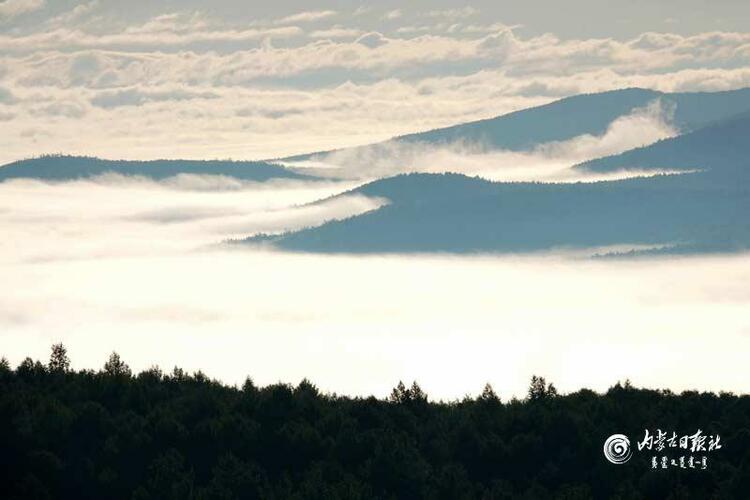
{"x": 198, "y": 84}
{"x": 375, "y": 319}
{"x": 132, "y": 265}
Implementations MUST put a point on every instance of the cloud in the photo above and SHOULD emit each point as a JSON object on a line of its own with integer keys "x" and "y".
{"x": 135, "y": 97}
{"x": 488, "y": 28}
{"x": 307, "y": 16}
{"x": 372, "y": 40}
{"x": 362, "y": 10}
{"x": 13, "y": 8}
{"x": 458, "y": 13}
{"x": 549, "y": 162}
{"x": 64, "y": 109}
{"x": 499, "y": 45}
{"x": 641, "y": 127}
{"x": 77, "y": 13}
{"x": 337, "y": 31}
{"x": 136, "y": 216}
{"x": 165, "y": 295}
{"x": 6, "y": 96}
{"x": 250, "y": 123}
{"x": 143, "y": 38}
{"x": 414, "y": 29}
{"x": 393, "y": 14}
{"x": 213, "y": 87}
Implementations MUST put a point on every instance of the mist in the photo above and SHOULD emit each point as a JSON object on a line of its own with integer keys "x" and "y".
{"x": 138, "y": 267}
{"x": 121, "y": 216}
{"x": 548, "y": 162}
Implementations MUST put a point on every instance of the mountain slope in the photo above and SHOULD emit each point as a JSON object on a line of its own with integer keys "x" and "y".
{"x": 577, "y": 115}
{"x": 77, "y": 167}
{"x": 454, "y": 213}
{"x": 693, "y": 212}
{"x": 722, "y": 147}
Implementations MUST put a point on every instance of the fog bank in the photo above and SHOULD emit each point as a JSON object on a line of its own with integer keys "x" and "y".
{"x": 132, "y": 266}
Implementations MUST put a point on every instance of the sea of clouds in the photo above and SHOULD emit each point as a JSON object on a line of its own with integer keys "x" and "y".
{"x": 137, "y": 266}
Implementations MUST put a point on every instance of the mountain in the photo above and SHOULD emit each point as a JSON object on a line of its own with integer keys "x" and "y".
{"x": 453, "y": 213}
{"x": 696, "y": 211}
{"x": 77, "y": 167}
{"x": 577, "y": 115}
{"x": 721, "y": 147}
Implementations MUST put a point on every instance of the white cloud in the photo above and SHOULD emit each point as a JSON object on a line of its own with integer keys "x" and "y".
{"x": 550, "y": 162}
{"x": 137, "y": 216}
{"x": 6, "y": 96}
{"x": 307, "y": 17}
{"x": 458, "y": 13}
{"x": 488, "y": 28}
{"x": 414, "y": 29}
{"x": 362, "y": 10}
{"x": 142, "y": 269}
{"x": 641, "y": 127}
{"x": 372, "y": 40}
{"x": 77, "y": 13}
{"x": 245, "y": 122}
{"x": 152, "y": 38}
{"x": 222, "y": 88}
{"x": 336, "y": 31}
{"x": 393, "y": 14}
{"x": 136, "y": 97}
{"x": 13, "y": 8}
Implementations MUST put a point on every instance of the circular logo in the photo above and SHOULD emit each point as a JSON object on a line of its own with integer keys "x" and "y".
{"x": 617, "y": 449}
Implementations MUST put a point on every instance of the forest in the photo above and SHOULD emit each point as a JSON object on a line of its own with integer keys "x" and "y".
{"x": 114, "y": 434}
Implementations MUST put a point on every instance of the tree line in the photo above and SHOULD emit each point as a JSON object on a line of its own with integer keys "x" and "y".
{"x": 115, "y": 434}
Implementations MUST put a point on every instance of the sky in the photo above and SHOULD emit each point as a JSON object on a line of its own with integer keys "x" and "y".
{"x": 250, "y": 80}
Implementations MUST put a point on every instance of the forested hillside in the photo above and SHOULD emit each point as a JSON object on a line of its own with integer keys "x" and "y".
{"x": 690, "y": 213}
{"x": 65, "y": 167}
{"x": 722, "y": 148}
{"x": 112, "y": 434}
{"x": 574, "y": 116}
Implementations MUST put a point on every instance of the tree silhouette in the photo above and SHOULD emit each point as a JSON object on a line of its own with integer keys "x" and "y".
{"x": 400, "y": 394}
{"x": 116, "y": 367}
{"x": 539, "y": 389}
{"x": 488, "y": 394}
{"x": 416, "y": 393}
{"x": 58, "y": 360}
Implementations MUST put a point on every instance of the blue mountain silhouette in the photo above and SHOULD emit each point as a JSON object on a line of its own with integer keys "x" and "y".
{"x": 58, "y": 167}
{"x": 704, "y": 211}
{"x": 720, "y": 147}
{"x": 577, "y": 115}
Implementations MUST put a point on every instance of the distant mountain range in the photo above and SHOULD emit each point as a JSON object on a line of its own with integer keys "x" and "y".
{"x": 706, "y": 209}
{"x": 453, "y": 213}
{"x": 60, "y": 168}
{"x": 518, "y": 131}
{"x": 574, "y": 116}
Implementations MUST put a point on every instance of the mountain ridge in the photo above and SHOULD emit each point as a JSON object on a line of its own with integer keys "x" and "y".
{"x": 70, "y": 167}
{"x": 458, "y": 214}
{"x": 720, "y": 146}
{"x": 570, "y": 117}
